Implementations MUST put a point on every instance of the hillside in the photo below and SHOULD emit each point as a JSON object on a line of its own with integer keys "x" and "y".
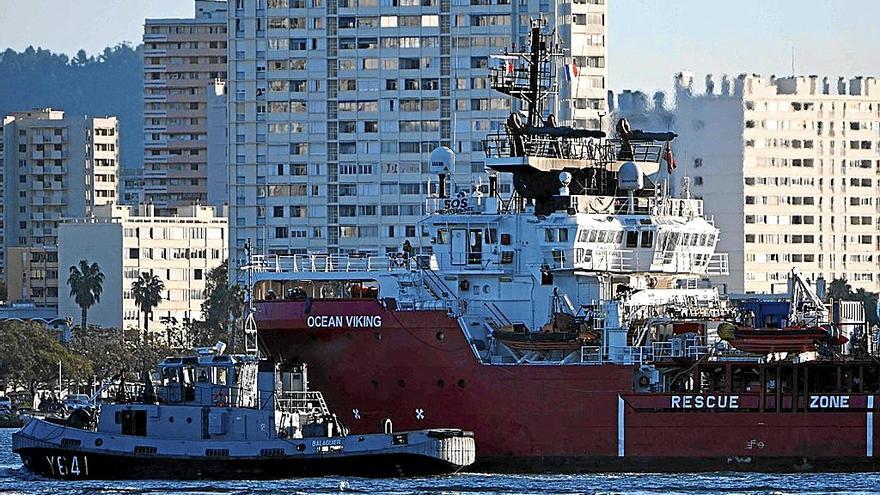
{"x": 109, "y": 84}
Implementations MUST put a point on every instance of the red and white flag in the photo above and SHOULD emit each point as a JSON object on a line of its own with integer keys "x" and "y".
{"x": 670, "y": 158}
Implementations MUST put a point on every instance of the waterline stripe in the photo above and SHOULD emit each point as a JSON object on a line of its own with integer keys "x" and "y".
{"x": 620, "y": 426}
{"x": 869, "y": 429}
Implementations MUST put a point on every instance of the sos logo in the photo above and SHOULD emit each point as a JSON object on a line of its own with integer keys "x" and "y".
{"x": 454, "y": 204}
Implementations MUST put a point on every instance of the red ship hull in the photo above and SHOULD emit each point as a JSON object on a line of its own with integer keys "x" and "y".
{"x": 417, "y": 369}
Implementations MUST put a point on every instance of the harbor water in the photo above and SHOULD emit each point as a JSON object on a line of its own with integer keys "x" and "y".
{"x": 14, "y": 480}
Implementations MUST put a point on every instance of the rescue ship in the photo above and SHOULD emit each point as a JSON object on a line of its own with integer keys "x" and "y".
{"x": 571, "y": 325}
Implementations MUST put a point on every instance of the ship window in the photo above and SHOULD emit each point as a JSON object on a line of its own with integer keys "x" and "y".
{"x": 592, "y": 236}
{"x": 647, "y": 239}
{"x": 491, "y": 236}
{"x": 442, "y": 236}
{"x": 134, "y": 422}
{"x": 703, "y": 239}
{"x": 632, "y": 239}
{"x": 549, "y": 235}
{"x": 619, "y": 237}
{"x": 505, "y": 239}
{"x": 582, "y": 235}
{"x": 563, "y": 235}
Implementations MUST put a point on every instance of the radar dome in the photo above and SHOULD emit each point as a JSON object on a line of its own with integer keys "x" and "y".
{"x": 442, "y": 160}
{"x": 630, "y": 177}
{"x": 565, "y": 178}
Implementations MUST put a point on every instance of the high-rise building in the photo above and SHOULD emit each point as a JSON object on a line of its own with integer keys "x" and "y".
{"x": 218, "y": 132}
{"x": 54, "y": 166}
{"x": 180, "y": 250}
{"x": 336, "y": 105}
{"x": 131, "y": 186}
{"x": 790, "y": 169}
{"x": 182, "y": 58}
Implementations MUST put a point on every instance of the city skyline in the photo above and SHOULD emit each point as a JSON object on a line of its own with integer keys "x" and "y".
{"x": 753, "y": 37}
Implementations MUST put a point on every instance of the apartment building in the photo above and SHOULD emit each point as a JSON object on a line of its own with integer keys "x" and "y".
{"x": 54, "y": 166}
{"x": 336, "y": 105}
{"x": 790, "y": 169}
{"x": 218, "y": 132}
{"x": 182, "y": 58}
{"x": 131, "y": 186}
{"x": 179, "y": 249}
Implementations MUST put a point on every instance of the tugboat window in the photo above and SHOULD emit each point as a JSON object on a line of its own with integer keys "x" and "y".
{"x": 134, "y": 422}
{"x": 647, "y": 239}
{"x": 632, "y": 239}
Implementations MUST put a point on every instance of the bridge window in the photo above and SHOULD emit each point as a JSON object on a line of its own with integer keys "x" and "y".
{"x": 647, "y": 238}
{"x": 563, "y": 235}
{"x": 632, "y": 239}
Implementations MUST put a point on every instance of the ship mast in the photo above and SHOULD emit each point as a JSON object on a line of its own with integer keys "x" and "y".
{"x": 535, "y": 81}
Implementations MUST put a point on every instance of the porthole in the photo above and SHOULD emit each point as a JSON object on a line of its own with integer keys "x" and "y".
{"x": 170, "y": 419}
{"x": 441, "y": 336}
{"x": 401, "y": 383}
{"x": 189, "y": 420}
{"x": 461, "y": 383}
{"x": 441, "y": 383}
{"x": 99, "y": 442}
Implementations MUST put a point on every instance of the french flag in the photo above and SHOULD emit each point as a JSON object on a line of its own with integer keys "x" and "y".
{"x": 571, "y": 70}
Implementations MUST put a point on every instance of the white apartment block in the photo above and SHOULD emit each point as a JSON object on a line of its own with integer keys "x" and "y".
{"x": 790, "y": 169}
{"x": 54, "y": 166}
{"x": 178, "y": 249}
{"x": 336, "y": 105}
{"x": 182, "y": 58}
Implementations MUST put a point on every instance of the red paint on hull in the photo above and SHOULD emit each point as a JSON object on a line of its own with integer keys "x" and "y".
{"x": 419, "y": 371}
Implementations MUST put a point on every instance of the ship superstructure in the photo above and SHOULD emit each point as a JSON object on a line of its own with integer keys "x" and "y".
{"x": 582, "y": 298}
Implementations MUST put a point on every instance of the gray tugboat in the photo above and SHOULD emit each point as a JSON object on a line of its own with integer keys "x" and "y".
{"x": 227, "y": 416}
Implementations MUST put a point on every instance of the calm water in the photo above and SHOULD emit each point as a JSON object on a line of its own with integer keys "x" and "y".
{"x": 15, "y": 480}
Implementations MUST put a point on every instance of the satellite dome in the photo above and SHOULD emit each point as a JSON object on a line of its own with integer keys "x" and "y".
{"x": 442, "y": 160}
{"x": 565, "y": 177}
{"x": 630, "y": 177}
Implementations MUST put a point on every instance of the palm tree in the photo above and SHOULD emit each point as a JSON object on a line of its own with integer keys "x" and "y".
{"x": 147, "y": 291}
{"x": 86, "y": 284}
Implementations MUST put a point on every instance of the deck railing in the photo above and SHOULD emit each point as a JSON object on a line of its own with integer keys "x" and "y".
{"x": 692, "y": 347}
{"x": 331, "y": 263}
{"x": 623, "y": 260}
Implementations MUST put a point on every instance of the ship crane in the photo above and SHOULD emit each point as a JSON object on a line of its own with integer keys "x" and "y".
{"x": 806, "y": 307}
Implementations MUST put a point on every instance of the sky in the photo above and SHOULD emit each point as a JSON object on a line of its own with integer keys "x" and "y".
{"x": 648, "y": 40}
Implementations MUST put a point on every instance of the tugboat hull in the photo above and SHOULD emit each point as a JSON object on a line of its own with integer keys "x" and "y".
{"x": 62, "y": 452}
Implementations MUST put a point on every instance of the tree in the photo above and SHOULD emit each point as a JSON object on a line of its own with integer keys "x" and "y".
{"x": 105, "y": 349}
{"x": 838, "y": 289}
{"x": 147, "y": 291}
{"x": 29, "y": 356}
{"x": 86, "y": 284}
{"x": 222, "y": 309}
